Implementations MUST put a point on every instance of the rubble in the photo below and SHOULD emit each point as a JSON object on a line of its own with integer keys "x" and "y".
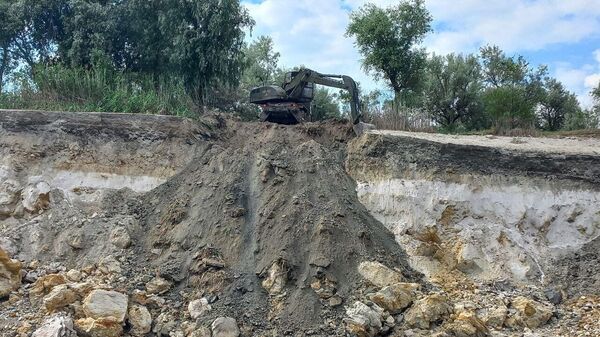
{"x": 101, "y": 304}
{"x": 56, "y": 326}
{"x": 10, "y": 274}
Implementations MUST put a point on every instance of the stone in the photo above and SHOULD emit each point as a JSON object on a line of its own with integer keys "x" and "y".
{"x": 110, "y": 265}
{"x": 102, "y": 327}
{"x": 554, "y": 296}
{"x": 363, "y": 320}
{"x": 197, "y": 308}
{"x": 158, "y": 285}
{"x": 276, "y": 278}
{"x": 530, "y": 313}
{"x": 10, "y": 274}
{"x": 164, "y": 325}
{"x": 44, "y": 284}
{"x": 467, "y": 324}
{"x": 120, "y": 238}
{"x": 396, "y": 297}
{"x": 378, "y": 274}
{"x": 56, "y": 326}
{"x": 140, "y": 320}
{"x": 60, "y": 297}
{"x": 495, "y": 317}
{"x": 76, "y": 239}
{"x": 74, "y": 275}
{"x": 36, "y": 197}
{"x": 104, "y": 303}
{"x": 225, "y": 327}
{"x": 428, "y": 309}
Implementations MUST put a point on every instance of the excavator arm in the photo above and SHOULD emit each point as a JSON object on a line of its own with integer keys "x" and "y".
{"x": 295, "y": 87}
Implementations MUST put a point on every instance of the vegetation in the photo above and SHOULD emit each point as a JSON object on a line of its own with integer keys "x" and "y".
{"x": 179, "y": 57}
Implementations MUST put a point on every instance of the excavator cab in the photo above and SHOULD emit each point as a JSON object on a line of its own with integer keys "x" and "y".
{"x": 307, "y": 94}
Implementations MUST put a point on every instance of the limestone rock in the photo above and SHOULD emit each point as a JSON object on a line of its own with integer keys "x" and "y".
{"x": 225, "y": 327}
{"x": 102, "y": 327}
{"x": 276, "y": 278}
{"x": 363, "y": 320}
{"x": 378, "y": 274}
{"x": 103, "y": 303}
{"x": 36, "y": 197}
{"x": 140, "y": 320}
{"x": 74, "y": 275}
{"x": 44, "y": 284}
{"x": 467, "y": 324}
{"x": 158, "y": 285}
{"x": 9, "y": 246}
{"x": 197, "y": 308}
{"x": 495, "y": 317}
{"x": 426, "y": 310}
{"x": 396, "y": 297}
{"x": 57, "y": 326}
{"x": 110, "y": 265}
{"x": 59, "y": 297}
{"x": 120, "y": 238}
{"x": 10, "y": 274}
{"x": 530, "y": 313}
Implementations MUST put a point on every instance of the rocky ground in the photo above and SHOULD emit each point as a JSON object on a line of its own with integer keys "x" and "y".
{"x": 119, "y": 225}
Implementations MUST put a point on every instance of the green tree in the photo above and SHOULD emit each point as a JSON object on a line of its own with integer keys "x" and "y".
{"x": 509, "y": 107}
{"x": 453, "y": 89}
{"x": 388, "y": 40}
{"x": 9, "y": 28}
{"x": 325, "y": 105}
{"x": 260, "y": 61}
{"x": 556, "y": 105}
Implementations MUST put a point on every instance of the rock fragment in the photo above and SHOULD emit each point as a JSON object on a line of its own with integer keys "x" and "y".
{"x": 10, "y": 274}
{"x": 103, "y": 303}
{"x": 60, "y": 297}
{"x": 379, "y": 275}
{"x": 101, "y": 327}
{"x": 158, "y": 285}
{"x": 429, "y": 309}
{"x": 120, "y": 238}
{"x": 140, "y": 320}
{"x": 197, "y": 308}
{"x": 467, "y": 324}
{"x": 57, "y": 326}
{"x": 396, "y": 297}
{"x": 36, "y": 197}
{"x": 530, "y": 313}
{"x": 225, "y": 327}
{"x": 363, "y": 320}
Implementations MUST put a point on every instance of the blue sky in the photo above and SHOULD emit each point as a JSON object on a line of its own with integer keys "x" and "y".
{"x": 563, "y": 34}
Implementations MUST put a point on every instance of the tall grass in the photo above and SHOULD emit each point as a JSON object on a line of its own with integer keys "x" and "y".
{"x": 101, "y": 89}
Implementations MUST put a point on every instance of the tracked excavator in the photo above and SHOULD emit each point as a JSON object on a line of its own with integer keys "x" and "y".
{"x": 292, "y": 102}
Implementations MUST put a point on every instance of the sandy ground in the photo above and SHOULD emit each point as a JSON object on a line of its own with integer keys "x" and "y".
{"x": 567, "y": 145}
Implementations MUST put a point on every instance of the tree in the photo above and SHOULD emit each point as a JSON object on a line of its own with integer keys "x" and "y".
{"x": 556, "y": 105}
{"x": 260, "y": 61}
{"x": 206, "y": 39}
{"x": 388, "y": 40}
{"x": 9, "y": 29}
{"x": 325, "y": 105}
{"x": 452, "y": 90}
{"x": 509, "y": 107}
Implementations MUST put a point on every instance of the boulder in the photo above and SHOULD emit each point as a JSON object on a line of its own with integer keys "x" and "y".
{"x": 467, "y": 324}
{"x": 140, "y": 320}
{"x": 120, "y": 238}
{"x": 74, "y": 275}
{"x": 276, "y": 278}
{"x": 10, "y": 274}
{"x": 379, "y": 275}
{"x": 197, "y": 308}
{"x": 201, "y": 332}
{"x": 59, "y": 297}
{"x": 101, "y": 327}
{"x": 110, "y": 265}
{"x": 225, "y": 327}
{"x": 529, "y": 313}
{"x": 158, "y": 285}
{"x": 9, "y": 246}
{"x": 363, "y": 320}
{"x": 396, "y": 297}
{"x": 495, "y": 317}
{"x": 103, "y": 303}
{"x": 57, "y": 326}
{"x": 429, "y": 309}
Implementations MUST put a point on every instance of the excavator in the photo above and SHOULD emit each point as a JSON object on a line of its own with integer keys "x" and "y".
{"x": 292, "y": 102}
